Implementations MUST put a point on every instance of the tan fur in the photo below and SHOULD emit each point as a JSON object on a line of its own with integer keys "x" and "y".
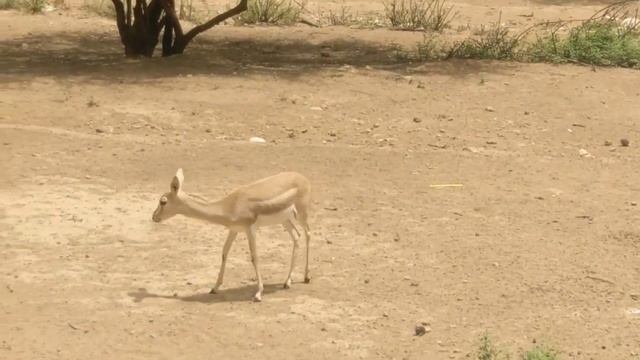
{"x": 283, "y": 199}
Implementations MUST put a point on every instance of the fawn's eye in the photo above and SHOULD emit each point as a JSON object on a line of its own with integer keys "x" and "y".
{"x": 163, "y": 201}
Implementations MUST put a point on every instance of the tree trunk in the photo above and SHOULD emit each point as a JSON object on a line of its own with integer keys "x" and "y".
{"x": 140, "y": 27}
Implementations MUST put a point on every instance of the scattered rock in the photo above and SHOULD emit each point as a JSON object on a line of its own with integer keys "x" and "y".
{"x": 257, "y": 140}
{"x": 104, "y": 130}
{"x": 417, "y": 120}
{"x": 315, "y": 108}
{"x": 527, "y": 113}
{"x": 633, "y": 203}
{"x": 207, "y": 131}
{"x": 332, "y": 133}
{"x": 420, "y": 85}
{"x": 635, "y": 297}
{"x": 624, "y": 142}
{"x": 607, "y": 143}
{"x": 438, "y": 146}
{"x": 472, "y": 149}
{"x": 325, "y": 54}
{"x": 491, "y": 142}
{"x": 422, "y": 328}
{"x": 584, "y": 153}
{"x": 366, "y": 281}
{"x": 489, "y": 109}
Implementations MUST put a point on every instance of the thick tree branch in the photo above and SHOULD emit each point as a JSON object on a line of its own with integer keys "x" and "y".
{"x": 242, "y": 6}
{"x": 153, "y": 13}
{"x": 167, "y": 39}
{"x": 170, "y": 10}
{"x": 129, "y": 12}
{"x": 120, "y": 20}
{"x": 140, "y": 22}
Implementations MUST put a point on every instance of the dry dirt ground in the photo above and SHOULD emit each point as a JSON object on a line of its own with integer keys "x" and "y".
{"x": 540, "y": 244}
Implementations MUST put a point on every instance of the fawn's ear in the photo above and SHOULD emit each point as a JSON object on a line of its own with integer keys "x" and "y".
{"x": 176, "y": 183}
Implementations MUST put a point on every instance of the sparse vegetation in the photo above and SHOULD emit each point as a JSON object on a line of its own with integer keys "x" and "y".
{"x": 30, "y": 6}
{"x": 601, "y": 43}
{"x": 430, "y": 49}
{"x": 33, "y": 6}
{"x": 496, "y": 43}
{"x": 342, "y": 16}
{"x": 281, "y": 12}
{"x": 9, "y": 4}
{"x": 488, "y": 350}
{"x": 600, "y": 40}
{"x": 434, "y": 15}
{"x": 100, "y": 7}
{"x": 540, "y": 353}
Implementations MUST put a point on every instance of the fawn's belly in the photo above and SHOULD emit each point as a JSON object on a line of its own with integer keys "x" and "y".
{"x": 276, "y": 218}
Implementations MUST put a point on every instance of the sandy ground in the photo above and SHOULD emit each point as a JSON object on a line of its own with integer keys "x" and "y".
{"x": 541, "y": 244}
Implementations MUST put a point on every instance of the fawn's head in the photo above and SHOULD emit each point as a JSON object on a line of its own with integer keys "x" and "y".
{"x": 170, "y": 203}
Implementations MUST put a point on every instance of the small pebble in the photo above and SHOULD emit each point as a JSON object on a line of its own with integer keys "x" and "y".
{"x": 422, "y": 328}
{"x": 257, "y": 140}
{"x": 624, "y": 142}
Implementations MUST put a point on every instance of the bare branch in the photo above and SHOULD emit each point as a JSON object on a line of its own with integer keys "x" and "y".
{"x": 242, "y": 6}
{"x": 170, "y": 10}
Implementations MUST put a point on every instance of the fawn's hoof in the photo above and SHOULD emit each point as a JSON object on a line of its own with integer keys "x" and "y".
{"x": 257, "y": 297}
{"x": 307, "y": 279}
{"x": 213, "y": 291}
{"x": 287, "y": 284}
